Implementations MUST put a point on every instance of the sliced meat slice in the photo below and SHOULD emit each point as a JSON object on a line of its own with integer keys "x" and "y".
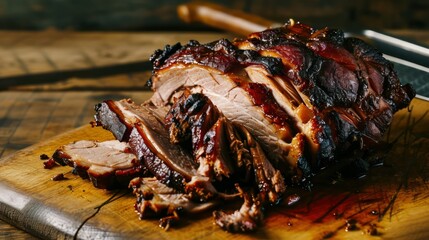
{"x": 306, "y": 121}
{"x": 107, "y": 164}
{"x": 193, "y": 120}
{"x": 269, "y": 181}
{"x": 157, "y": 139}
{"x": 119, "y": 117}
{"x": 153, "y": 154}
{"x": 216, "y": 150}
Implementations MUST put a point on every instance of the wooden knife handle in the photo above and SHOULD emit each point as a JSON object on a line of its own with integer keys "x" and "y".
{"x": 223, "y": 18}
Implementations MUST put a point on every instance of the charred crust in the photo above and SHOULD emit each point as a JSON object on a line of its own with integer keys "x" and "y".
{"x": 223, "y": 45}
{"x": 62, "y": 158}
{"x": 222, "y": 55}
{"x": 335, "y": 35}
{"x": 159, "y": 56}
{"x": 149, "y": 83}
{"x": 105, "y": 181}
{"x": 326, "y": 143}
{"x": 81, "y": 172}
{"x": 250, "y": 57}
{"x": 110, "y": 117}
{"x": 307, "y": 172}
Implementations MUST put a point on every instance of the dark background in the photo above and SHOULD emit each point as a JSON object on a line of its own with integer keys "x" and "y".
{"x": 161, "y": 14}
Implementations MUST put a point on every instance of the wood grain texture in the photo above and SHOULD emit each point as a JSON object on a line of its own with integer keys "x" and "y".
{"x": 24, "y": 53}
{"x": 392, "y": 199}
{"x": 10, "y": 232}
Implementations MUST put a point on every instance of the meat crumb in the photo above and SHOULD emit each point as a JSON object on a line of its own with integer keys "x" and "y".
{"x": 44, "y": 157}
{"x": 49, "y": 164}
{"x": 58, "y": 177}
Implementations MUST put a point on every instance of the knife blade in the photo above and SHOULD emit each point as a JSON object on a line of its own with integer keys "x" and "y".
{"x": 395, "y": 46}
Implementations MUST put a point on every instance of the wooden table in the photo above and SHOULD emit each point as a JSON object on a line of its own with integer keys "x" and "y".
{"x": 34, "y": 112}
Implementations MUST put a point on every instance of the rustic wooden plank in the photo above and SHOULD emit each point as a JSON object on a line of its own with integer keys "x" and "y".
{"x": 34, "y": 119}
{"x": 15, "y": 108}
{"x": 33, "y": 61}
{"x": 400, "y": 201}
{"x": 57, "y": 40}
{"x": 67, "y": 58}
{"x": 9, "y": 66}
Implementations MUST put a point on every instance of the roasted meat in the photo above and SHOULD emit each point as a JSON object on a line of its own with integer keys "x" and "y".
{"x": 245, "y": 119}
{"x": 108, "y": 164}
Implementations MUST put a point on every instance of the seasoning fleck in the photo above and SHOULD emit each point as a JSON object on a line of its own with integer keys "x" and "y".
{"x": 59, "y": 177}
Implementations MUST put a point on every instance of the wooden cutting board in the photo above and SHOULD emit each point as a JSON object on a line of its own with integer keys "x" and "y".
{"x": 392, "y": 202}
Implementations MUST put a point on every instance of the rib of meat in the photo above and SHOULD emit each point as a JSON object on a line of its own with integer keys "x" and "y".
{"x": 107, "y": 164}
{"x": 306, "y": 95}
